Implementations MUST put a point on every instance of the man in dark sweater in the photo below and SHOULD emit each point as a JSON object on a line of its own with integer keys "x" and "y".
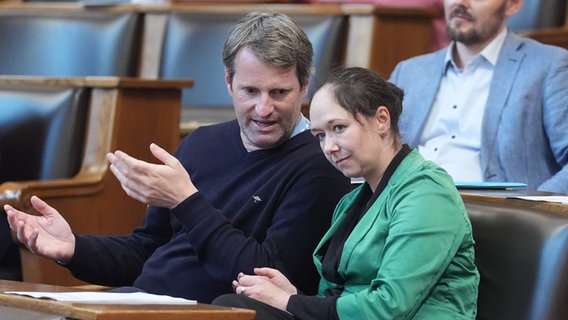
{"x": 252, "y": 192}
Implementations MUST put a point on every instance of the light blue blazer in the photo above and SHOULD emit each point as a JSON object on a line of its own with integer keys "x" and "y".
{"x": 525, "y": 126}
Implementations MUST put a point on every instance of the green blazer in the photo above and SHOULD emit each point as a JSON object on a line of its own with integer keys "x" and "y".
{"x": 412, "y": 254}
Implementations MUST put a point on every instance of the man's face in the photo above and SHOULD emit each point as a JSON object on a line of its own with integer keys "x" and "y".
{"x": 474, "y": 22}
{"x": 267, "y": 101}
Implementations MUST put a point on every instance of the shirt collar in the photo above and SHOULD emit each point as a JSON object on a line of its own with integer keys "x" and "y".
{"x": 490, "y": 52}
{"x": 303, "y": 125}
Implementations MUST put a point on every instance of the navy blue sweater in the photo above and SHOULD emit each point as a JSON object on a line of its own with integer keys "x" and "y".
{"x": 261, "y": 208}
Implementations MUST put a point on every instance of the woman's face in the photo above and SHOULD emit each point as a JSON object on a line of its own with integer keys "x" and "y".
{"x": 353, "y": 147}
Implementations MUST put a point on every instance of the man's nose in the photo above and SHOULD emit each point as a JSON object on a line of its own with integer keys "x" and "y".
{"x": 265, "y": 105}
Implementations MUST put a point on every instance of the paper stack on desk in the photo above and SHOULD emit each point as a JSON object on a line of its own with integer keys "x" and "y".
{"x": 98, "y": 297}
{"x": 556, "y": 199}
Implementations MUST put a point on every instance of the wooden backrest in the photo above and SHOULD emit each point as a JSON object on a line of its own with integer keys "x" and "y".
{"x": 522, "y": 256}
{"x": 68, "y": 42}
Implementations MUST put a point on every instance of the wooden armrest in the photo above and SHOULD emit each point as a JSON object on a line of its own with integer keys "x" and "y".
{"x": 18, "y": 194}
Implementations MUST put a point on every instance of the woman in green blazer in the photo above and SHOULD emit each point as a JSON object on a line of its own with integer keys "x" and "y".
{"x": 400, "y": 245}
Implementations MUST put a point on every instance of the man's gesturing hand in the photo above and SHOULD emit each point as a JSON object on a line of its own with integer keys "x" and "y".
{"x": 164, "y": 185}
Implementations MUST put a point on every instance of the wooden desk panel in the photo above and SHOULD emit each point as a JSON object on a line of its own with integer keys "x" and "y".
{"x": 47, "y": 309}
{"x": 503, "y": 197}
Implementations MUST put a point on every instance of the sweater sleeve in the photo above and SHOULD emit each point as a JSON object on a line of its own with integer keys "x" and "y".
{"x": 298, "y": 222}
{"x": 117, "y": 260}
{"x": 312, "y": 307}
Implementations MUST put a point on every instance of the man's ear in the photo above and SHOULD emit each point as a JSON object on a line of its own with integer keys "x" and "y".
{"x": 513, "y": 7}
{"x": 228, "y": 82}
{"x": 304, "y": 90}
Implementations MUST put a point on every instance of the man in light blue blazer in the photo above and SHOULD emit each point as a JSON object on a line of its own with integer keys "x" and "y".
{"x": 492, "y": 106}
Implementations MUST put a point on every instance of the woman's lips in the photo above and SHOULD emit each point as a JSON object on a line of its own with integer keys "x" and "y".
{"x": 341, "y": 161}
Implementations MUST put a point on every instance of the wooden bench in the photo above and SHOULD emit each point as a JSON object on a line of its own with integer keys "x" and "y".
{"x": 173, "y": 41}
{"x": 186, "y": 41}
{"x": 70, "y": 39}
{"x": 123, "y": 113}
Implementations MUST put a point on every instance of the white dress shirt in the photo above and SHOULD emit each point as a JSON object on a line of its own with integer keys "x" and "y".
{"x": 452, "y": 134}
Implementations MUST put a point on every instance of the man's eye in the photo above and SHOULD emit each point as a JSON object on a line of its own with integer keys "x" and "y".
{"x": 279, "y": 92}
{"x": 250, "y": 90}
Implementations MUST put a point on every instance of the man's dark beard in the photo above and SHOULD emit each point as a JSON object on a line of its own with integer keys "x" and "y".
{"x": 473, "y": 37}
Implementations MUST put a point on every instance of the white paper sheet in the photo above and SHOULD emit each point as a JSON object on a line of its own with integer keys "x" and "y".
{"x": 556, "y": 199}
{"x": 98, "y": 297}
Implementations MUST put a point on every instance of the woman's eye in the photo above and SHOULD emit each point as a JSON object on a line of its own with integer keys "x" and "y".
{"x": 338, "y": 128}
